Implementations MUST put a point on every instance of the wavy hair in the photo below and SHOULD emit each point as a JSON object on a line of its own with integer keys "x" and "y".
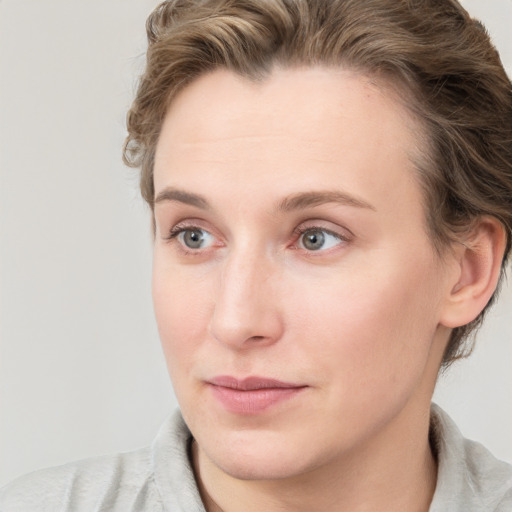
{"x": 455, "y": 82}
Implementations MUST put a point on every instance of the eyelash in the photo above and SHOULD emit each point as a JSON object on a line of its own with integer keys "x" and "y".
{"x": 176, "y": 231}
{"x": 180, "y": 228}
{"x": 298, "y": 232}
{"x": 302, "y": 230}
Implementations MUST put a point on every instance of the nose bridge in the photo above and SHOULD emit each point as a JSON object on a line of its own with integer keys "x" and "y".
{"x": 245, "y": 308}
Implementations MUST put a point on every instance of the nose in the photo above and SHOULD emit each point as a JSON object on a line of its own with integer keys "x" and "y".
{"x": 246, "y": 311}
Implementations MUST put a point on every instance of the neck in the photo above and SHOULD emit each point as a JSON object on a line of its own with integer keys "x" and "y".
{"x": 395, "y": 471}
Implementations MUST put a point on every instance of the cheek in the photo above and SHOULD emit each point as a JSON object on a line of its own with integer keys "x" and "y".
{"x": 371, "y": 330}
{"x": 181, "y": 306}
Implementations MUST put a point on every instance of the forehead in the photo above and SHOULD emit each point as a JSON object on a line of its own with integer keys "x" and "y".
{"x": 303, "y": 95}
{"x": 298, "y": 124}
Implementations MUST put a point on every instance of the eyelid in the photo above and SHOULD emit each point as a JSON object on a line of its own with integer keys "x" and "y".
{"x": 302, "y": 229}
{"x": 341, "y": 233}
{"x": 174, "y": 239}
{"x": 178, "y": 229}
{"x": 185, "y": 225}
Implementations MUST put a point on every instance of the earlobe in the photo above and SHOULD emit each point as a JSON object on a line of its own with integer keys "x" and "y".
{"x": 478, "y": 268}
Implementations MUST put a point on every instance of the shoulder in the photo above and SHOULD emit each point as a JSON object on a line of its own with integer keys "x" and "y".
{"x": 112, "y": 482}
{"x": 138, "y": 481}
{"x": 470, "y": 478}
{"x": 489, "y": 477}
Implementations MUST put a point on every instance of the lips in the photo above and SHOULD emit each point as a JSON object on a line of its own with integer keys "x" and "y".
{"x": 252, "y": 395}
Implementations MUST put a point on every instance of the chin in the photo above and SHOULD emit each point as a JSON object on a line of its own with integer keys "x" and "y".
{"x": 253, "y": 455}
{"x": 252, "y": 467}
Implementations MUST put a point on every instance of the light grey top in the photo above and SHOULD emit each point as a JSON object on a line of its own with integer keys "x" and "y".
{"x": 160, "y": 478}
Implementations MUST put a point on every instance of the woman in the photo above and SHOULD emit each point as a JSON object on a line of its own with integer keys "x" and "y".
{"x": 331, "y": 190}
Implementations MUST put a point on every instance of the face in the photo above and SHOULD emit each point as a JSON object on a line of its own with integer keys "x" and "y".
{"x": 296, "y": 291}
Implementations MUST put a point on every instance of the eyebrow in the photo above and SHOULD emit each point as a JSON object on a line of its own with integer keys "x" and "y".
{"x": 294, "y": 202}
{"x": 181, "y": 196}
{"x": 305, "y": 200}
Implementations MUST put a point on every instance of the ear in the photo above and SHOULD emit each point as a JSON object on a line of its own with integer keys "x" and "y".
{"x": 477, "y": 270}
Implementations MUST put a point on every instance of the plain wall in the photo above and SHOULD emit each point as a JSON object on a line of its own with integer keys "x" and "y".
{"x": 81, "y": 369}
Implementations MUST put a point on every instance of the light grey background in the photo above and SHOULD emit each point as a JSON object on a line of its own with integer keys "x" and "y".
{"x": 81, "y": 370}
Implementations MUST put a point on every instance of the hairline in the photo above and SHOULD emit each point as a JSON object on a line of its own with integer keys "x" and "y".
{"x": 399, "y": 91}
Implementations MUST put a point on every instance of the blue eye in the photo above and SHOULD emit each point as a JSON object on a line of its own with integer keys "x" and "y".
{"x": 194, "y": 238}
{"x": 316, "y": 239}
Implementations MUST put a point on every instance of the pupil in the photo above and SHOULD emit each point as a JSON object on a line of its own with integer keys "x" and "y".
{"x": 314, "y": 240}
{"x": 193, "y": 239}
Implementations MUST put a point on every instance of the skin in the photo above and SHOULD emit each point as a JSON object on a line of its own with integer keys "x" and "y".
{"x": 360, "y": 322}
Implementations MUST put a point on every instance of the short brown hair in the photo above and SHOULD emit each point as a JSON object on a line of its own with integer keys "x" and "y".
{"x": 444, "y": 59}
